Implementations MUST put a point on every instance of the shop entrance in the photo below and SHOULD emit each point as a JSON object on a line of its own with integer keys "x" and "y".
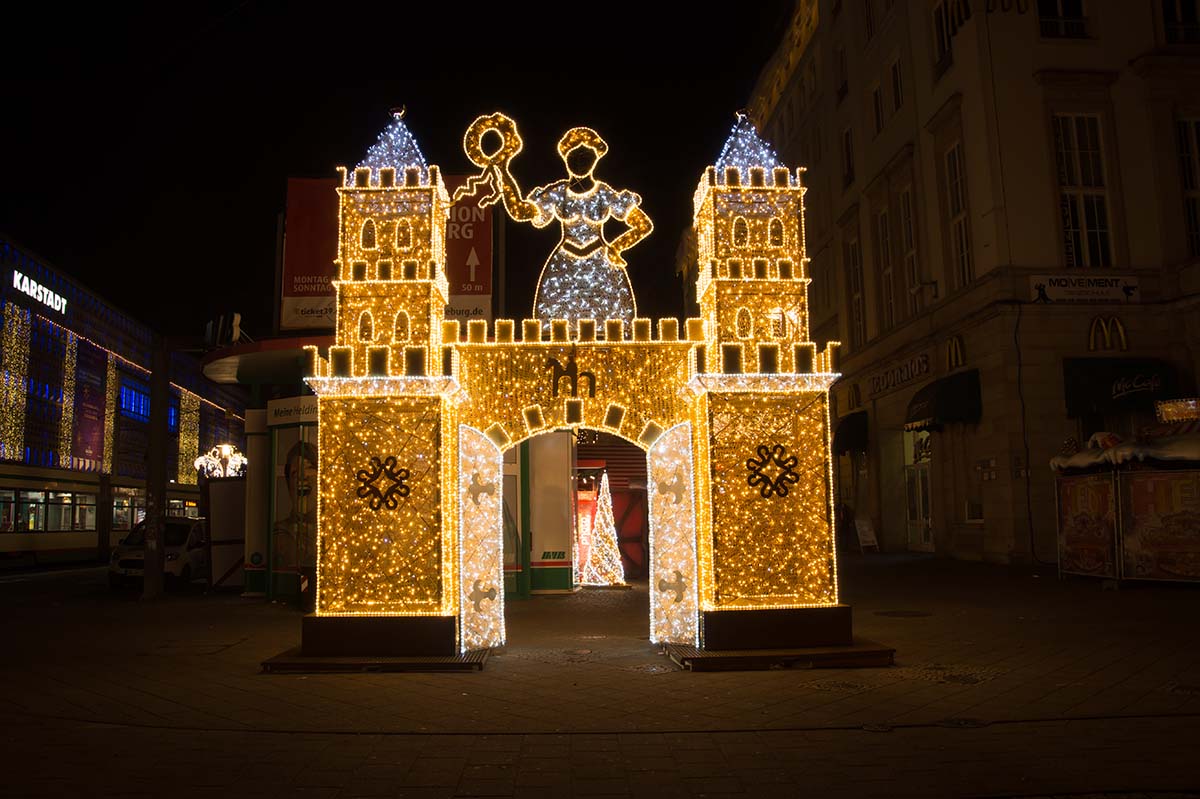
{"x": 917, "y": 456}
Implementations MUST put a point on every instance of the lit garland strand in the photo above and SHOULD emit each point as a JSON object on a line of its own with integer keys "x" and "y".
{"x": 189, "y": 437}
{"x": 674, "y": 608}
{"x": 66, "y": 424}
{"x": 603, "y": 565}
{"x": 111, "y": 380}
{"x": 15, "y": 361}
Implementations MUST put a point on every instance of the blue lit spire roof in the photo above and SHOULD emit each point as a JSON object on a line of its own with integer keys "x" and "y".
{"x": 396, "y": 147}
{"x": 745, "y": 148}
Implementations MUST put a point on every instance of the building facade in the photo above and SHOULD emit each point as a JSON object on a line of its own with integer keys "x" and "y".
{"x": 1004, "y": 233}
{"x": 75, "y": 412}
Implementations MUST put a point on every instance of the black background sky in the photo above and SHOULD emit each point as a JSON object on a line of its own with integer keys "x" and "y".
{"x": 146, "y": 152}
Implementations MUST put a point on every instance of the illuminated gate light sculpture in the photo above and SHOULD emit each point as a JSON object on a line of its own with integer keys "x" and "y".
{"x": 416, "y": 412}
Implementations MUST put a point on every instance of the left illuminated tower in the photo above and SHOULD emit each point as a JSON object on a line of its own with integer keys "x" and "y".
{"x": 384, "y": 550}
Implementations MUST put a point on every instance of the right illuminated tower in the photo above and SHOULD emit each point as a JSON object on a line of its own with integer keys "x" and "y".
{"x": 765, "y": 525}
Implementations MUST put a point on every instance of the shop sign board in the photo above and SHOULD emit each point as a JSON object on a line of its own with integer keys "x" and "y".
{"x": 898, "y": 374}
{"x": 1075, "y": 287}
{"x": 293, "y": 410}
{"x": 308, "y": 299}
{"x": 468, "y": 256}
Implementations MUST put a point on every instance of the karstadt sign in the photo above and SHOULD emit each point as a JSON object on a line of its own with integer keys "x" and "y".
{"x": 37, "y": 291}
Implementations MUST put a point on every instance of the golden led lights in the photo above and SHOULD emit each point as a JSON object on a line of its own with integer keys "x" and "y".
{"x": 15, "y": 362}
{"x": 67, "y": 423}
{"x": 584, "y": 277}
{"x": 732, "y": 408}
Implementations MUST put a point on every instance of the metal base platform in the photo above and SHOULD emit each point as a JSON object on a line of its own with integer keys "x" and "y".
{"x": 861, "y": 654}
{"x": 292, "y": 662}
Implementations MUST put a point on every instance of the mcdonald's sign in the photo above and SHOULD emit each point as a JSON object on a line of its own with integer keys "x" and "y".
{"x": 1107, "y": 334}
{"x": 955, "y": 354}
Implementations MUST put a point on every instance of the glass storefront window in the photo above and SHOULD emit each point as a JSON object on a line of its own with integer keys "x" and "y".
{"x": 31, "y": 511}
{"x": 58, "y": 511}
{"x": 183, "y": 507}
{"x": 8, "y": 511}
{"x": 121, "y": 513}
{"x": 85, "y": 511}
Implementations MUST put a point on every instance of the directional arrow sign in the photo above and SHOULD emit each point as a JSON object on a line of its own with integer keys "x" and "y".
{"x": 468, "y": 257}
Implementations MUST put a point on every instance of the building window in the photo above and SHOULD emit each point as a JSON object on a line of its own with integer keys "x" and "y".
{"x": 1181, "y": 22}
{"x": 956, "y": 204}
{"x": 1062, "y": 19}
{"x": 887, "y": 281}
{"x": 840, "y": 73}
{"x": 368, "y": 235}
{"x": 942, "y": 37}
{"x": 134, "y": 400}
{"x": 847, "y": 157}
{"x": 173, "y": 415}
{"x": 869, "y": 18}
{"x": 1083, "y": 196}
{"x": 366, "y": 327}
{"x": 908, "y": 244}
{"x": 858, "y": 320}
{"x": 1189, "y": 168}
{"x": 877, "y": 108}
{"x": 897, "y": 86}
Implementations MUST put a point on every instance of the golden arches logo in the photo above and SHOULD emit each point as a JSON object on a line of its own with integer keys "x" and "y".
{"x": 1107, "y": 334}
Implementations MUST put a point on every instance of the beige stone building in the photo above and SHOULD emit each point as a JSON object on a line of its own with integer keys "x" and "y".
{"x": 1003, "y": 222}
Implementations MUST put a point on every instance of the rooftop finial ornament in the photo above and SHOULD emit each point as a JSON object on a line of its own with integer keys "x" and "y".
{"x": 399, "y": 111}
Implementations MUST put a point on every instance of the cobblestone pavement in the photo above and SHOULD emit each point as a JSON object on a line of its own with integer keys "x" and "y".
{"x": 1006, "y": 684}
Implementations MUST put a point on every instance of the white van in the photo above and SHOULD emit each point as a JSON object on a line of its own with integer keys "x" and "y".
{"x": 185, "y": 547}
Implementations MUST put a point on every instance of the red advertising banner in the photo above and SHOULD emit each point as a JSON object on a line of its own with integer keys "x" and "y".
{"x": 1087, "y": 525}
{"x": 1161, "y": 533}
{"x": 309, "y": 248}
{"x": 468, "y": 256}
{"x": 91, "y": 370}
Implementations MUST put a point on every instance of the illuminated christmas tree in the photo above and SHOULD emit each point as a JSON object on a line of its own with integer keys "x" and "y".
{"x": 603, "y": 566}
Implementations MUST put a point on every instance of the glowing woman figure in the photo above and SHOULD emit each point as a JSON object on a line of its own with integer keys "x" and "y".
{"x": 584, "y": 277}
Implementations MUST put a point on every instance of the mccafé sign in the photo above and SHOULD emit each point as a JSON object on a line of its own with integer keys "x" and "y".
{"x": 39, "y": 292}
{"x": 1136, "y": 384}
{"x": 899, "y": 374}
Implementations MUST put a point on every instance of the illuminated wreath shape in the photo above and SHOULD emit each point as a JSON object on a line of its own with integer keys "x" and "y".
{"x": 510, "y": 140}
{"x": 785, "y": 464}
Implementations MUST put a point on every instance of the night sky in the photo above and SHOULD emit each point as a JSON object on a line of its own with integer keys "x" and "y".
{"x": 147, "y": 154}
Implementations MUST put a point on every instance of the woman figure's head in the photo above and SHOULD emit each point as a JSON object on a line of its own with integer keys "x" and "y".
{"x": 580, "y": 149}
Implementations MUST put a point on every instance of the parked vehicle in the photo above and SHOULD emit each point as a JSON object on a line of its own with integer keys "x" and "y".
{"x": 185, "y": 552}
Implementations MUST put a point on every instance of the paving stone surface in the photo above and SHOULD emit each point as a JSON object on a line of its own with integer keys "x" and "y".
{"x": 1005, "y": 684}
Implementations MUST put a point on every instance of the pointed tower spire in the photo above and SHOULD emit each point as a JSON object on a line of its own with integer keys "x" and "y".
{"x": 745, "y": 148}
{"x": 396, "y": 148}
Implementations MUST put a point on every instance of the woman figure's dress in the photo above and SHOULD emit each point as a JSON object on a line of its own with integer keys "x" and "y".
{"x": 579, "y": 281}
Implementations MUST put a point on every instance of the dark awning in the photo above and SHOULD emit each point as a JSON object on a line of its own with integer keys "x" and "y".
{"x": 851, "y": 433}
{"x": 1104, "y": 385}
{"x": 945, "y": 401}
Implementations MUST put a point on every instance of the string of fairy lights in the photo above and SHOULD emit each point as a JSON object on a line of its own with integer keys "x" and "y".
{"x": 732, "y": 409}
